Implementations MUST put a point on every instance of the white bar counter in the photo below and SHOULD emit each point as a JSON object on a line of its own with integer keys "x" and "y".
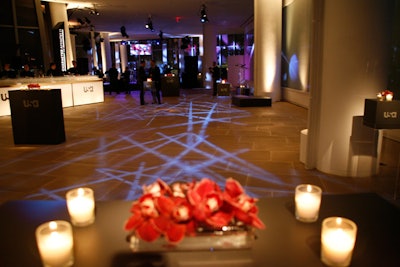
{"x": 75, "y": 90}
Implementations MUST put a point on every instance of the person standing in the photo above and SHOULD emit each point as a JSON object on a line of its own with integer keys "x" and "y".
{"x": 215, "y": 72}
{"x": 74, "y": 69}
{"x": 53, "y": 71}
{"x": 126, "y": 79}
{"x": 113, "y": 76}
{"x": 8, "y": 72}
{"x": 141, "y": 78}
{"x": 155, "y": 75}
{"x": 26, "y": 72}
{"x": 98, "y": 72}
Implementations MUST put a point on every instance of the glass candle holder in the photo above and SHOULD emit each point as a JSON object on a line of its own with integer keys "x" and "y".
{"x": 55, "y": 243}
{"x": 338, "y": 237}
{"x": 80, "y": 204}
{"x": 307, "y": 202}
{"x": 389, "y": 97}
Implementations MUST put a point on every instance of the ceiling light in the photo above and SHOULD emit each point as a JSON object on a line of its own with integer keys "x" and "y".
{"x": 203, "y": 14}
{"x": 149, "y": 24}
{"x": 94, "y": 12}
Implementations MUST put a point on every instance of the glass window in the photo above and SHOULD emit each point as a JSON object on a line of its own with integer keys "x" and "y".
{"x": 26, "y": 14}
{"x": 8, "y": 51}
{"x": 6, "y": 14}
{"x": 31, "y": 51}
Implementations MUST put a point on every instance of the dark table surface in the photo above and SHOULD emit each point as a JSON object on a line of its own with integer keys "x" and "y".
{"x": 285, "y": 241}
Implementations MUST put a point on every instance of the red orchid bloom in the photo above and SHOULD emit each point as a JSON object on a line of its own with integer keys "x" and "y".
{"x": 206, "y": 199}
{"x": 179, "y": 189}
{"x": 157, "y": 188}
{"x": 245, "y": 208}
{"x": 142, "y": 219}
{"x": 175, "y": 218}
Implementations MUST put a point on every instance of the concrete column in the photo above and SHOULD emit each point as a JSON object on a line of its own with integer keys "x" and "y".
{"x": 267, "y": 54}
{"x": 94, "y": 51}
{"x": 58, "y": 13}
{"x": 124, "y": 56}
{"x": 209, "y": 52}
{"x": 350, "y": 63}
{"x": 105, "y": 52}
{"x": 44, "y": 37}
{"x": 117, "y": 55}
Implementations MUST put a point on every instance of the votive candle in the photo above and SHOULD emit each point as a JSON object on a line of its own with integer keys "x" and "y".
{"x": 55, "y": 243}
{"x": 80, "y": 204}
{"x": 389, "y": 97}
{"x": 338, "y": 237}
{"x": 307, "y": 202}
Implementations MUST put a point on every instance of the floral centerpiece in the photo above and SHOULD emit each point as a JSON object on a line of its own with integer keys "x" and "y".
{"x": 33, "y": 86}
{"x": 385, "y": 95}
{"x": 187, "y": 209}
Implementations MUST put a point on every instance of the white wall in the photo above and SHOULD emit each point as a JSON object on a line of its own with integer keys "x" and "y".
{"x": 355, "y": 52}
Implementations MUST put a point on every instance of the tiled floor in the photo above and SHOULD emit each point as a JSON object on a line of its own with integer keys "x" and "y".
{"x": 116, "y": 146}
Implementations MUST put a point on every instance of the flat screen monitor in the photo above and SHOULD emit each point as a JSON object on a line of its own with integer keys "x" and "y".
{"x": 140, "y": 49}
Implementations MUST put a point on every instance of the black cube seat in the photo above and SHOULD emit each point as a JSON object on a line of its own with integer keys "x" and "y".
{"x": 251, "y": 101}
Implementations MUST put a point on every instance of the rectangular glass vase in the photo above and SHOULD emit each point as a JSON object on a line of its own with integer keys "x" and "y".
{"x": 205, "y": 241}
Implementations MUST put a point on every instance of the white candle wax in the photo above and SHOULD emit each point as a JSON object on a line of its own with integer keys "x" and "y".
{"x": 337, "y": 242}
{"x": 55, "y": 244}
{"x": 80, "y": 204}
{"x": 337, "y": 246}
{"x": 389, "y": 97}
{"x": 308, "y": 201}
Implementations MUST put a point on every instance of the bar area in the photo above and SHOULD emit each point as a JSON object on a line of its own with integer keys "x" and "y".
{"x": 77, "y": 90}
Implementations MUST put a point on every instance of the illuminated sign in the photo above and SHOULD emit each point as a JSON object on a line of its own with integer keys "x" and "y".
{"x": 62, "y": 49}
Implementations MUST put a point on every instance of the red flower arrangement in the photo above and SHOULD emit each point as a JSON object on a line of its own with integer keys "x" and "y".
{"x": 385, "y": 95}
{"x": 386, "y": 92}
{"x": 33, "y": 86}
{"x": 182, "y": 209}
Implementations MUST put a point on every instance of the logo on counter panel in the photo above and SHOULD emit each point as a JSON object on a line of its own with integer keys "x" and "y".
{"x": 390, "y": 115}
{"x": 31, "y": 103}
{"x": 88, "y": 89}
{"x": 4, "y": 97}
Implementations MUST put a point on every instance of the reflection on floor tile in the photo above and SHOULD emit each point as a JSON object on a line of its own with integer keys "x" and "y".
{"x": 117, "y": 146}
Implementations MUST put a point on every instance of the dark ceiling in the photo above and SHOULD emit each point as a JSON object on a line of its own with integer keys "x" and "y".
{"x": 175, "y": 18}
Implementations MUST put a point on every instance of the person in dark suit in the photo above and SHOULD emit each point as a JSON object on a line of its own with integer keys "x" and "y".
{"x": 141, "y": 78}
{"x": 126, "y": 79}
{"x": 216, "y": 75}
{"x": 74, "y": 69}
{"x": 54, "y": 71}
{"x": 113, "y": 76}
{"x": 155, "y": 75}
{"x": 98, "y": 72}
{"x": 8, "y": 72}
{"x": 26, "y": 72}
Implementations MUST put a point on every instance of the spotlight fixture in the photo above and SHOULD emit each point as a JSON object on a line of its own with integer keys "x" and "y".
{"x": 94, "y": 12}
{"x": 123, "y": 32}
{"x": 149, "y": 24}
{"x": 203, "y": 14}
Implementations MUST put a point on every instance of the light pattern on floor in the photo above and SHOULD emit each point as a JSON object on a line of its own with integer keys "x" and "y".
{"x": 194, "y": 156}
